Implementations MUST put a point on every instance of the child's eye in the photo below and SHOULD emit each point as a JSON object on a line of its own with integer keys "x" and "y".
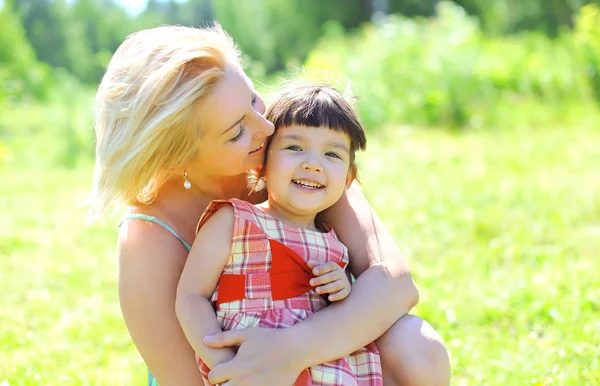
{"x": 332, "y": 154}
{"x": 239, "y": 135}
{"x": 294, "y": 148}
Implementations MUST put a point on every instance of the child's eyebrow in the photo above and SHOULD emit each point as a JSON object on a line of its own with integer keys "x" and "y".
{"x": 335, "y": 144}
{"x": 338, "y": 145}
{"x": 293, "y": 136}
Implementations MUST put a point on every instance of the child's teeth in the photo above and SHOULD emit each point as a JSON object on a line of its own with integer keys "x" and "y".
{"x": 307, "y": 184}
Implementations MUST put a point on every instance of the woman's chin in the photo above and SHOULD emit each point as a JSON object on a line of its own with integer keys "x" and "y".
{"x": 254, "y": 162}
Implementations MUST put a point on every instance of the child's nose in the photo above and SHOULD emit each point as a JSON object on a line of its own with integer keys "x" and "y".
{"x": 312, "y": 165}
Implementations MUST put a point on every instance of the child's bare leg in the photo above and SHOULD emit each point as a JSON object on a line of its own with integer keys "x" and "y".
{"x": 412, "y": 353}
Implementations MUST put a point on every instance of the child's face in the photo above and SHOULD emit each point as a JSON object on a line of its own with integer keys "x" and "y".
{"x": 307, "y": 168}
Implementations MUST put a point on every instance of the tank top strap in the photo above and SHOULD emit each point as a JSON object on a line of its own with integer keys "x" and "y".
{"x": 145, "y": 217}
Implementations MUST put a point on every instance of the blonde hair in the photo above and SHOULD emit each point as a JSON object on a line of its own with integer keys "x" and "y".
{"x": 145, "y": 109}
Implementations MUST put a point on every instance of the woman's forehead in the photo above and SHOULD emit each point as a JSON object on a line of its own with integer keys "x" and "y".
{"x": 227, "y": 103}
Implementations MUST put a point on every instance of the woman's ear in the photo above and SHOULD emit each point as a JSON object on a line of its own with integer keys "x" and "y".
{"x": 351, "y": 176}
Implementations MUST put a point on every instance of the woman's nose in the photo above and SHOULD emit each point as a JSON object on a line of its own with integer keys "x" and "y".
{"x": 268, "y": 127}
{"x": 264, "y": 128}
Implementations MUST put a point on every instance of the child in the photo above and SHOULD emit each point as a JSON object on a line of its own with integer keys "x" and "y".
{"x": 255, "y": 262}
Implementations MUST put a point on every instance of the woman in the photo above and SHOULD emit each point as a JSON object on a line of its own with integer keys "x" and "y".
{"x": 178, "y": 123}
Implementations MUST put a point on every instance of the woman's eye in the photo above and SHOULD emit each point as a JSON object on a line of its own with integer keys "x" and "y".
{"x": 254, "y": 98}
{"x": 332, "y": 154}
{"x": 294, "y": 148}
{"x": 239, "y": 135}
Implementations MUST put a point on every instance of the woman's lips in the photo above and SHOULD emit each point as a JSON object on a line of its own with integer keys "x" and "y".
{"x": 258, "y": 150}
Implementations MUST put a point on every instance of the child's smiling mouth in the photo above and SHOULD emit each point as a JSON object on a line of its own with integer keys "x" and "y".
{"x": 308, "y": 184}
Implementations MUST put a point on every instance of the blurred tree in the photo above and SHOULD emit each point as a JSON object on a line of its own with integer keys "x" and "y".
{"x": 412, "y": 8}
{"x": 45, "y": 22}
{"x": 20, "y": 73}
{"x": 510, "y": 16}
{"x": 78, "y": 36}
{"x": 283, "y": 33}
{"x": 102, "y": 27}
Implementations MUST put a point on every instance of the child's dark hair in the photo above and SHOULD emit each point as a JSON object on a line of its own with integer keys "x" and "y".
{"x": 317, "y": 105}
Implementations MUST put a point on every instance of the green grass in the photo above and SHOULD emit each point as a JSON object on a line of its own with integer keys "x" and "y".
{"x": 501, "y": 229}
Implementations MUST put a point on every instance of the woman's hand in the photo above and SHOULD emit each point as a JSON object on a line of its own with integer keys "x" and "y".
{"x": 331, "y": 279}
{"x": 263, "y": 358}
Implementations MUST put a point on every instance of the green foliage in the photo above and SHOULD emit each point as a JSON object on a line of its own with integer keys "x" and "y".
{"x": 280, "y": 34}
{"x": 20, "y": 74}
{"x": 503, "y": 239}
{"x": 500, "y": 17}
{"x": 56, "y": 132}
{"x": 587, "y": 35}
{"x": 444, "y": 71}
{"x": 78, "y": 36}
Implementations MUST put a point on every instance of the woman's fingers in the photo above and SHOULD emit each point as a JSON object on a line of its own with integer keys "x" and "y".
{"x": 221, "y": 373}
{"x": 226, "y": 339}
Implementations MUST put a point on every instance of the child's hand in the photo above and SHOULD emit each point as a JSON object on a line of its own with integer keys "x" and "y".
{"x": 331, "y": 279}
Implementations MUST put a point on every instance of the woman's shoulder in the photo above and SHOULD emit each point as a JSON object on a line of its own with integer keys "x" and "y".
{"x": 171, "y": 222}
{"x": 144, "y": 239}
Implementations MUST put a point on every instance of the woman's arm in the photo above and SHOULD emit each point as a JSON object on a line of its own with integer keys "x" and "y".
{"x": 199, "y": 279}
{"x": 150, "y": 264}
{"x": 383, "y": 292}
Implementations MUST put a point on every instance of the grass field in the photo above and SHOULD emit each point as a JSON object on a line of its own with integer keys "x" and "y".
{"x": 502, "y": 231}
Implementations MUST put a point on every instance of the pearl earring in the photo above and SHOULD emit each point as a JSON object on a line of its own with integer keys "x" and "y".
{"x": 186, "y": 183}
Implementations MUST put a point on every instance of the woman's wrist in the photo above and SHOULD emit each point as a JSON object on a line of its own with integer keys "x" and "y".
{"x": 296, "y": 349}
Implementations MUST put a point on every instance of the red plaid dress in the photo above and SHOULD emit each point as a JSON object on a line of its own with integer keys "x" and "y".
{"x": 255, "y": 235}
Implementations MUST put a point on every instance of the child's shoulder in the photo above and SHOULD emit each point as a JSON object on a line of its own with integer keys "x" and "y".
{"x": 232, "y": 208}
{"x": 219, "y": 211}
{"x": 242, "y": 206}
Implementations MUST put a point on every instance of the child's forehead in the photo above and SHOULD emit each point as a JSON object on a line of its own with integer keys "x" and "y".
{"x": 314, "y": 136}
{"x": 299, "y": 130}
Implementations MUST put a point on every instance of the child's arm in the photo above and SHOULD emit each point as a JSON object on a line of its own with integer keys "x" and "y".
{"x": 199, "y": 278}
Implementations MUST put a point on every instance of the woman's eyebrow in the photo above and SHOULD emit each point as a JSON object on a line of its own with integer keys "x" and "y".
{"x": 234, "y": 125}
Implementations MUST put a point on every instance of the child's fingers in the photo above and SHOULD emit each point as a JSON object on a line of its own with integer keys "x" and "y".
{"x": 341, "y": 294}
{"x": 330, "y": 288}
{"x": 324, "y": 268}
{"x": 327, "y": 278}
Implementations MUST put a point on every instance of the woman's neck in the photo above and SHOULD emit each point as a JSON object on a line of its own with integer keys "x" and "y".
{"x": 182, "y": 208}
{"x": 217, "y": 187}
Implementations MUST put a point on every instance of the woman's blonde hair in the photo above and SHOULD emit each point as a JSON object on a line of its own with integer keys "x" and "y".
{"x": 145, "y": 109}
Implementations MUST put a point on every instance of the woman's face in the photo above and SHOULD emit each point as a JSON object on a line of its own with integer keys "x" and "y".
{"x": 234, "y": 131}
